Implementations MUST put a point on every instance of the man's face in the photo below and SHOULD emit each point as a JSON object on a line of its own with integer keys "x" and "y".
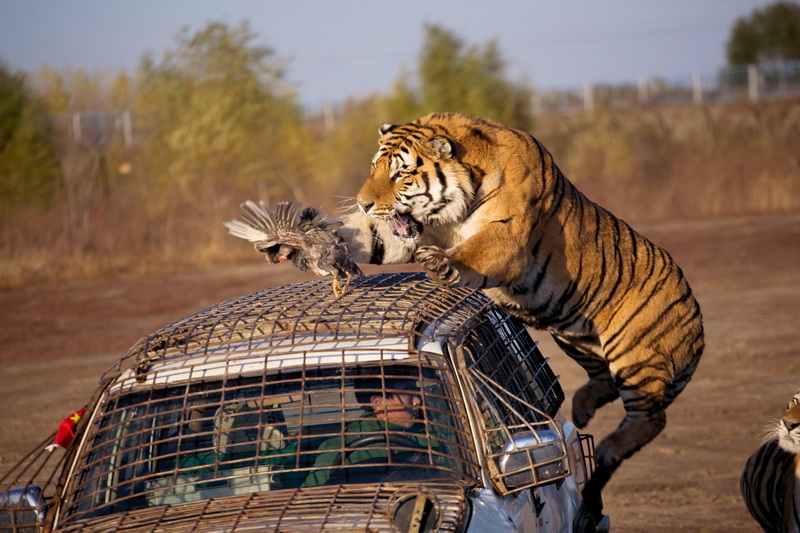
{"x": 401, "y": 408}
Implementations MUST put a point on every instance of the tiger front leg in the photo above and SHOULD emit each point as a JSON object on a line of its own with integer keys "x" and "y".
{"x": 437, "y": 264}
{"x": 483, "y": 261}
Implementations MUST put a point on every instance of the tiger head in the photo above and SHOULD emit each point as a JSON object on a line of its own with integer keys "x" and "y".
{"x": 416, "y": 180}
{"x": 787, "y": 430}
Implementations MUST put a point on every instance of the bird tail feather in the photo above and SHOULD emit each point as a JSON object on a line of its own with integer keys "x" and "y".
{"x": 246, "y": 231}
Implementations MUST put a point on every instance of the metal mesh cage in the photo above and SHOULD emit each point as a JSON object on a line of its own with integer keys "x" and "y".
{"x": 374, "y": 307}
{"x": 293, "y": 390}
{"x": 292, "y": 429}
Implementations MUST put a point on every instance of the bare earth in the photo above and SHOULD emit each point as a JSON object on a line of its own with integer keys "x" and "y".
{"x": 55, "y": 342}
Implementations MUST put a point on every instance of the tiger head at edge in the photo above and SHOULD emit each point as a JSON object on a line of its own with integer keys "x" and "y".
{"x": 787, "y": 429}
{"x": 416, "y": 180}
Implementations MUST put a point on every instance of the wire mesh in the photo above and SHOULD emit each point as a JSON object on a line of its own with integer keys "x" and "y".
{"x": 304, "y": 396}
{"x": 296, "y": 428}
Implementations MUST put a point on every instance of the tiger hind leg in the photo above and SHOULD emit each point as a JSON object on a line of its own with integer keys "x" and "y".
{"x": 598, "y": 391}
{"x": 634, "y": 432}
{"x": 601, "y": 387}
{"x": 644, "y": 399}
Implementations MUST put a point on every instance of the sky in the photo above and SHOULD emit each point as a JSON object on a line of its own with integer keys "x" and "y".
{"x": 338, "y": 49}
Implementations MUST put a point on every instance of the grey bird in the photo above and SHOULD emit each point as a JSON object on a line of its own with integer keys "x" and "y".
{"x": 300, "y": 234}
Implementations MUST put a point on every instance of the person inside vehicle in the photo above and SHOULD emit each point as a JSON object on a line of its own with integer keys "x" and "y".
{"x": 391, "y": 410}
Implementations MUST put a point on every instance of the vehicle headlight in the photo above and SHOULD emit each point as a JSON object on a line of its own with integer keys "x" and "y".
{"x": 533, "y": 458}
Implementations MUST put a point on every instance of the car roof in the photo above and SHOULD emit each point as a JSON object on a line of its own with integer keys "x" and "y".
{"x": 392, "y": 312}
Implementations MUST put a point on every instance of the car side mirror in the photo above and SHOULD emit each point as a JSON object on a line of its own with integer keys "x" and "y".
{"x": 533, "y": 458}
{"x": 22, "y": 508}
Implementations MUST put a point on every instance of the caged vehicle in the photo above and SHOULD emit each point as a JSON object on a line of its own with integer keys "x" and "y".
{"x": 397, "y": 406}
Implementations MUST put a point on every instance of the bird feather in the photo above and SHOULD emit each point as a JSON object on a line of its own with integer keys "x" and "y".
{"x": 303, "y": 234}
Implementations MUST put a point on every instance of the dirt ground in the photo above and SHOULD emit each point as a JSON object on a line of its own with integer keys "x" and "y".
{"x": 56, "y": 341}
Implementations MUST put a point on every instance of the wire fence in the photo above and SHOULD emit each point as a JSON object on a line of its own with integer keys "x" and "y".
{"x": 740, "y": 83}
{"x": 751, "y": 83}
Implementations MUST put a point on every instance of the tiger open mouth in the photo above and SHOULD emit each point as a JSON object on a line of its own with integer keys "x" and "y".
{"x": 405, "y": 227}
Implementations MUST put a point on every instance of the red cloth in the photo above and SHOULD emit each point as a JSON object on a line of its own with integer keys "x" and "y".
{"x": 66, "y": 429}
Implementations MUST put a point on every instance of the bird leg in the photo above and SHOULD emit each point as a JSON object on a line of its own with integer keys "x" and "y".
{"x": 347, "y": 283}
{"x": 337, "y": 290}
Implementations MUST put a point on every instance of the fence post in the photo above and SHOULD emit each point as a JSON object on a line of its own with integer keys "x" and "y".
{"x": 642, "y": 87}
{"x": 697, "y": 88}
{"x": 536, "y": 103}
{"x": 76, "y": 127}
{"x": 127, "y": 127}
{"x": 752, "y": 83}
{"x": 588, "y": 98}
{"x": 328, "y": 115}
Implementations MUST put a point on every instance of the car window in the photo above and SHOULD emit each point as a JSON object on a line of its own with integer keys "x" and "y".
{"x": 514, "y": 387}
{"x": 325, "y": 425}
{"x": 502, "y": 349}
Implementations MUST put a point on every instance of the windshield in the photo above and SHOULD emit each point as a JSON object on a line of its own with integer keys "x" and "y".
{"x": 387, "y": 422}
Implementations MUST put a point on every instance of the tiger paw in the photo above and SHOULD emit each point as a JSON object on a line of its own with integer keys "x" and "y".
{"x": 607, "y": 454}
{"x": 436, "y": 263}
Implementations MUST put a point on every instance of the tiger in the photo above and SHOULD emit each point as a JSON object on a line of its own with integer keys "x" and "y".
{"x": 480, "y": 204}
{"x": 770, "y": 482}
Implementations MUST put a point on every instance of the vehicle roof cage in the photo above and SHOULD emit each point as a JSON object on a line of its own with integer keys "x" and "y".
{"x": 384, "y": 305}
{"x": 307, "y": 317}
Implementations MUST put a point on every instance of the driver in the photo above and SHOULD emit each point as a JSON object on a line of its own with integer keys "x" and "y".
{"x": 391, "y": 405}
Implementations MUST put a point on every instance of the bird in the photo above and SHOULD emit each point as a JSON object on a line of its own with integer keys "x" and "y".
{"x": 300, "y": 234}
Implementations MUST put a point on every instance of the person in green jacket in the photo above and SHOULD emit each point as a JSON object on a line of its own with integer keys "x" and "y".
{"x": 395, "y": 411}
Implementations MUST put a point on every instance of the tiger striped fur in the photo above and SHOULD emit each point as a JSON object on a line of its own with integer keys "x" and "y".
{"x": 482, "y": 205}
{"x": 770, "y": 482}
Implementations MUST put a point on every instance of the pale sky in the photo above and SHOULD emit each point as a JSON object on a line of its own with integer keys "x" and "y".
{"x": 351, "y": 48}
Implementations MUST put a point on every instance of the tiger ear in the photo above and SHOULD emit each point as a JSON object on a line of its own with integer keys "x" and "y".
{"x": 386, "y": 128}
{"x": 440, "y": 147}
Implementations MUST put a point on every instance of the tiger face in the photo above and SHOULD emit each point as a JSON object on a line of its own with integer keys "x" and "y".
{"x": 416, "y": 181}
{"x": 787, "y": 428}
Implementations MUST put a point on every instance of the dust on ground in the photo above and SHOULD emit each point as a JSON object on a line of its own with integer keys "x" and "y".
{"x": 745, "y": 271}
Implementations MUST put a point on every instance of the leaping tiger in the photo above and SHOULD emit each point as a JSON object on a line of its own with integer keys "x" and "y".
{"x": 770, "y": 482}
{"x": 482, "y": 205}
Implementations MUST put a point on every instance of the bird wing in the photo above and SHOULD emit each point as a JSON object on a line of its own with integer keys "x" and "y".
{"x": 287, "y": 216}
{"x": 248, "y": 232}
{"x": 306, "y": 229}
{"x": 268, "y": 228}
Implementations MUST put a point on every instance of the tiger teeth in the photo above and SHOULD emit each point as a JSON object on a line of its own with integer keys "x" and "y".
{"x": 405, "y": 227}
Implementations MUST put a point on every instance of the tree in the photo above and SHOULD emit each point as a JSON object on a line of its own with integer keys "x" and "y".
{"x": 221, "y": 112}
{"x": 29, "y": 168}
{"x": 770, "y": 34}
{"x": 470, "y": 80}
